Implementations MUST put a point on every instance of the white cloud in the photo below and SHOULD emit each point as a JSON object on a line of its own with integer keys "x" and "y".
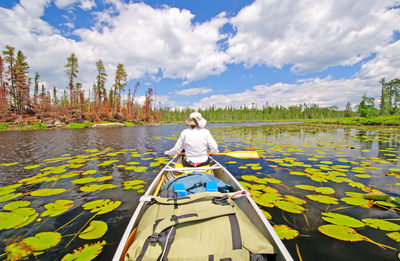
{"x": 324, "y": 92}
{"x": 144, "y": 39}
{"x": 84, "y": 4}
{"x": 194, "y": 91}
{"x": 386, "y": 64}
{"x": 311, "y": 35}
{"x": 159, "y": 39}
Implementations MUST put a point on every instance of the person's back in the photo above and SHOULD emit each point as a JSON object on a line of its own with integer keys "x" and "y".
{"x": 195, "y": 141}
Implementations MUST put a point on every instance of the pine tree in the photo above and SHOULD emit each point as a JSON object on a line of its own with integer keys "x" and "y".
{"x": 119, "y": 85}
{"x": 101, "y": 79}
{"x": 36, "y": 88}
{"x": 9, "y": 58}
{"x": 21, "y": 83}
{"x": 71, "y": 70}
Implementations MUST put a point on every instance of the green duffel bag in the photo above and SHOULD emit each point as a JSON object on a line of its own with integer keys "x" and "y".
{"x": 201, "y": 226}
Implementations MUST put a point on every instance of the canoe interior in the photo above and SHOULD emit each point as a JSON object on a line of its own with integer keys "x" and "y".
{"x": 245, "y": 203}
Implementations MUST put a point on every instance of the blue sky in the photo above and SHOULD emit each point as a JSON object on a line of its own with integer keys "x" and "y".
{"x": 221, "y": 53}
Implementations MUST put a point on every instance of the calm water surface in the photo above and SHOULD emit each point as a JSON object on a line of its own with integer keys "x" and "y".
{"x": 367, "y": 156}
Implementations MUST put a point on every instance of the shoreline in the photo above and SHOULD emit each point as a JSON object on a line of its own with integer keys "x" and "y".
{"x": 379, "y": 121}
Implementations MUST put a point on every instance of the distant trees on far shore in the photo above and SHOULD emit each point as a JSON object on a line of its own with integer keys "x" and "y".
{"x": 17, "y": 103}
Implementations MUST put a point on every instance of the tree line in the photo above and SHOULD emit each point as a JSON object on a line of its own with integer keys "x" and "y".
{"x": 16, "y": 100}
{"x": 253, "y": 113}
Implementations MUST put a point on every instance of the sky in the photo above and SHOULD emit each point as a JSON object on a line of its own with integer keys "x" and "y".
{"x": 214, "y": 52}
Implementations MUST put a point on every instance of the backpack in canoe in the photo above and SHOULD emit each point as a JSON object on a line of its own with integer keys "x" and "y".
{"x": 207, "y": 225}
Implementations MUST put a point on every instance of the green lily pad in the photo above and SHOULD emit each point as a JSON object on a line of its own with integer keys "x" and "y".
{"x": 32, "y": 166}
{"x": 16, "y": 204}
{"x": 323, "y": 199}
{"x": 339, "y": 219}
{"x": 357, "y": 201}
{"x": 10, "y": 197}
{"x": 325, "y": 190}
{"x": 8, "y": 189}
{"x": 9, "y": 164}
{"x": 289, "y": 206}
{"x": 96, "y": 187}
{"x": 341, "y": 232}
{"x": 43, "y": 240}
{"x": 87, "y": 253}
{"x": 47, "y": 192}
{"x": 101, "y": 206}
{"x": 381, "y": 224}
{"x": 285, "y": 232}
{"x": 133, "y": 184}
{"x": 58, "y": 207}
{"x": 266, "y": 214}
{"x": 83, "y": 180}
{"x": 96, "y": 229}
{"x": 10, "y": 220}
{"x": 295, "y": 200}
{"x": 306, "y": 187}
{"x": 394, "y": 235}
{"x": 88, "y": 172}
{"x": 35, "y": 245}
{"x": 107, "y": 162}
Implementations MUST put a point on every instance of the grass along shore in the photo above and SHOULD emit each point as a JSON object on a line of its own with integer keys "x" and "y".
{"x": 378, "y": 120}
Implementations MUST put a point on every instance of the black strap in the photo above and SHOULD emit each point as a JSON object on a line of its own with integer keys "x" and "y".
{"x": 176, "y": 218}
{"x": 144, "y": 248}
{"x": 195, "y": 185}
{"x": 223, "y": 201}
{"x": 235, "y": 231}
{"x": 166, "y": 238}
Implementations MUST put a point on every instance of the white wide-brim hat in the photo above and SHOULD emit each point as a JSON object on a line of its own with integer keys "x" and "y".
{"x": 195, "y": 118}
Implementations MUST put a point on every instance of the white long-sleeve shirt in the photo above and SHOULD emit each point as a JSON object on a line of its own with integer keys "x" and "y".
{"x": 195, "y": 142}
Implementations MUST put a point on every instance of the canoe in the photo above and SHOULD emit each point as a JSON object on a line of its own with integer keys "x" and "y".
{"x": 244, "y": 202}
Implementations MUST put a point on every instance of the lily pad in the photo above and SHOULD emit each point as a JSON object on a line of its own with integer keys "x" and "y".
{"x": 96, "y": 187}
{"x": 340, "y": 219}
{"x": 35, "y": 245}
{"x": 357, "y": 201}
{"x": 87, "y": 253}
{"x": 381, "y": 224}
{"x": 47, "y": 192}
{"x": 16, "y": 204}
{"x": 88, "y": 172}
{"x": 394, "y": 235}
{"x": 323, "y": 199}
{"x": 10, "y": 197}
{"x": 325, "y": 190}
{"x": 96, "y": 229}
{"x": 133, "y": 184}
{"x": 57, "y": 208}
{"x": 285, "y": 232}
{"x": 101, "y": 206}
{"x": 289, "y": 206}
{"x": 341, "y": 232}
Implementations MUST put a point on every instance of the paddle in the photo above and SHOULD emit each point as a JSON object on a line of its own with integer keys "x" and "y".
{"x": 241, "y": 154}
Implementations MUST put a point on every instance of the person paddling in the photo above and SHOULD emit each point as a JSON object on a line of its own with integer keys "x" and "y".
{"x": 195, "y": 141}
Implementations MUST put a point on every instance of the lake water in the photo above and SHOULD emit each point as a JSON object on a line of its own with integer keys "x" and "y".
{"x": 40, "y": 168}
